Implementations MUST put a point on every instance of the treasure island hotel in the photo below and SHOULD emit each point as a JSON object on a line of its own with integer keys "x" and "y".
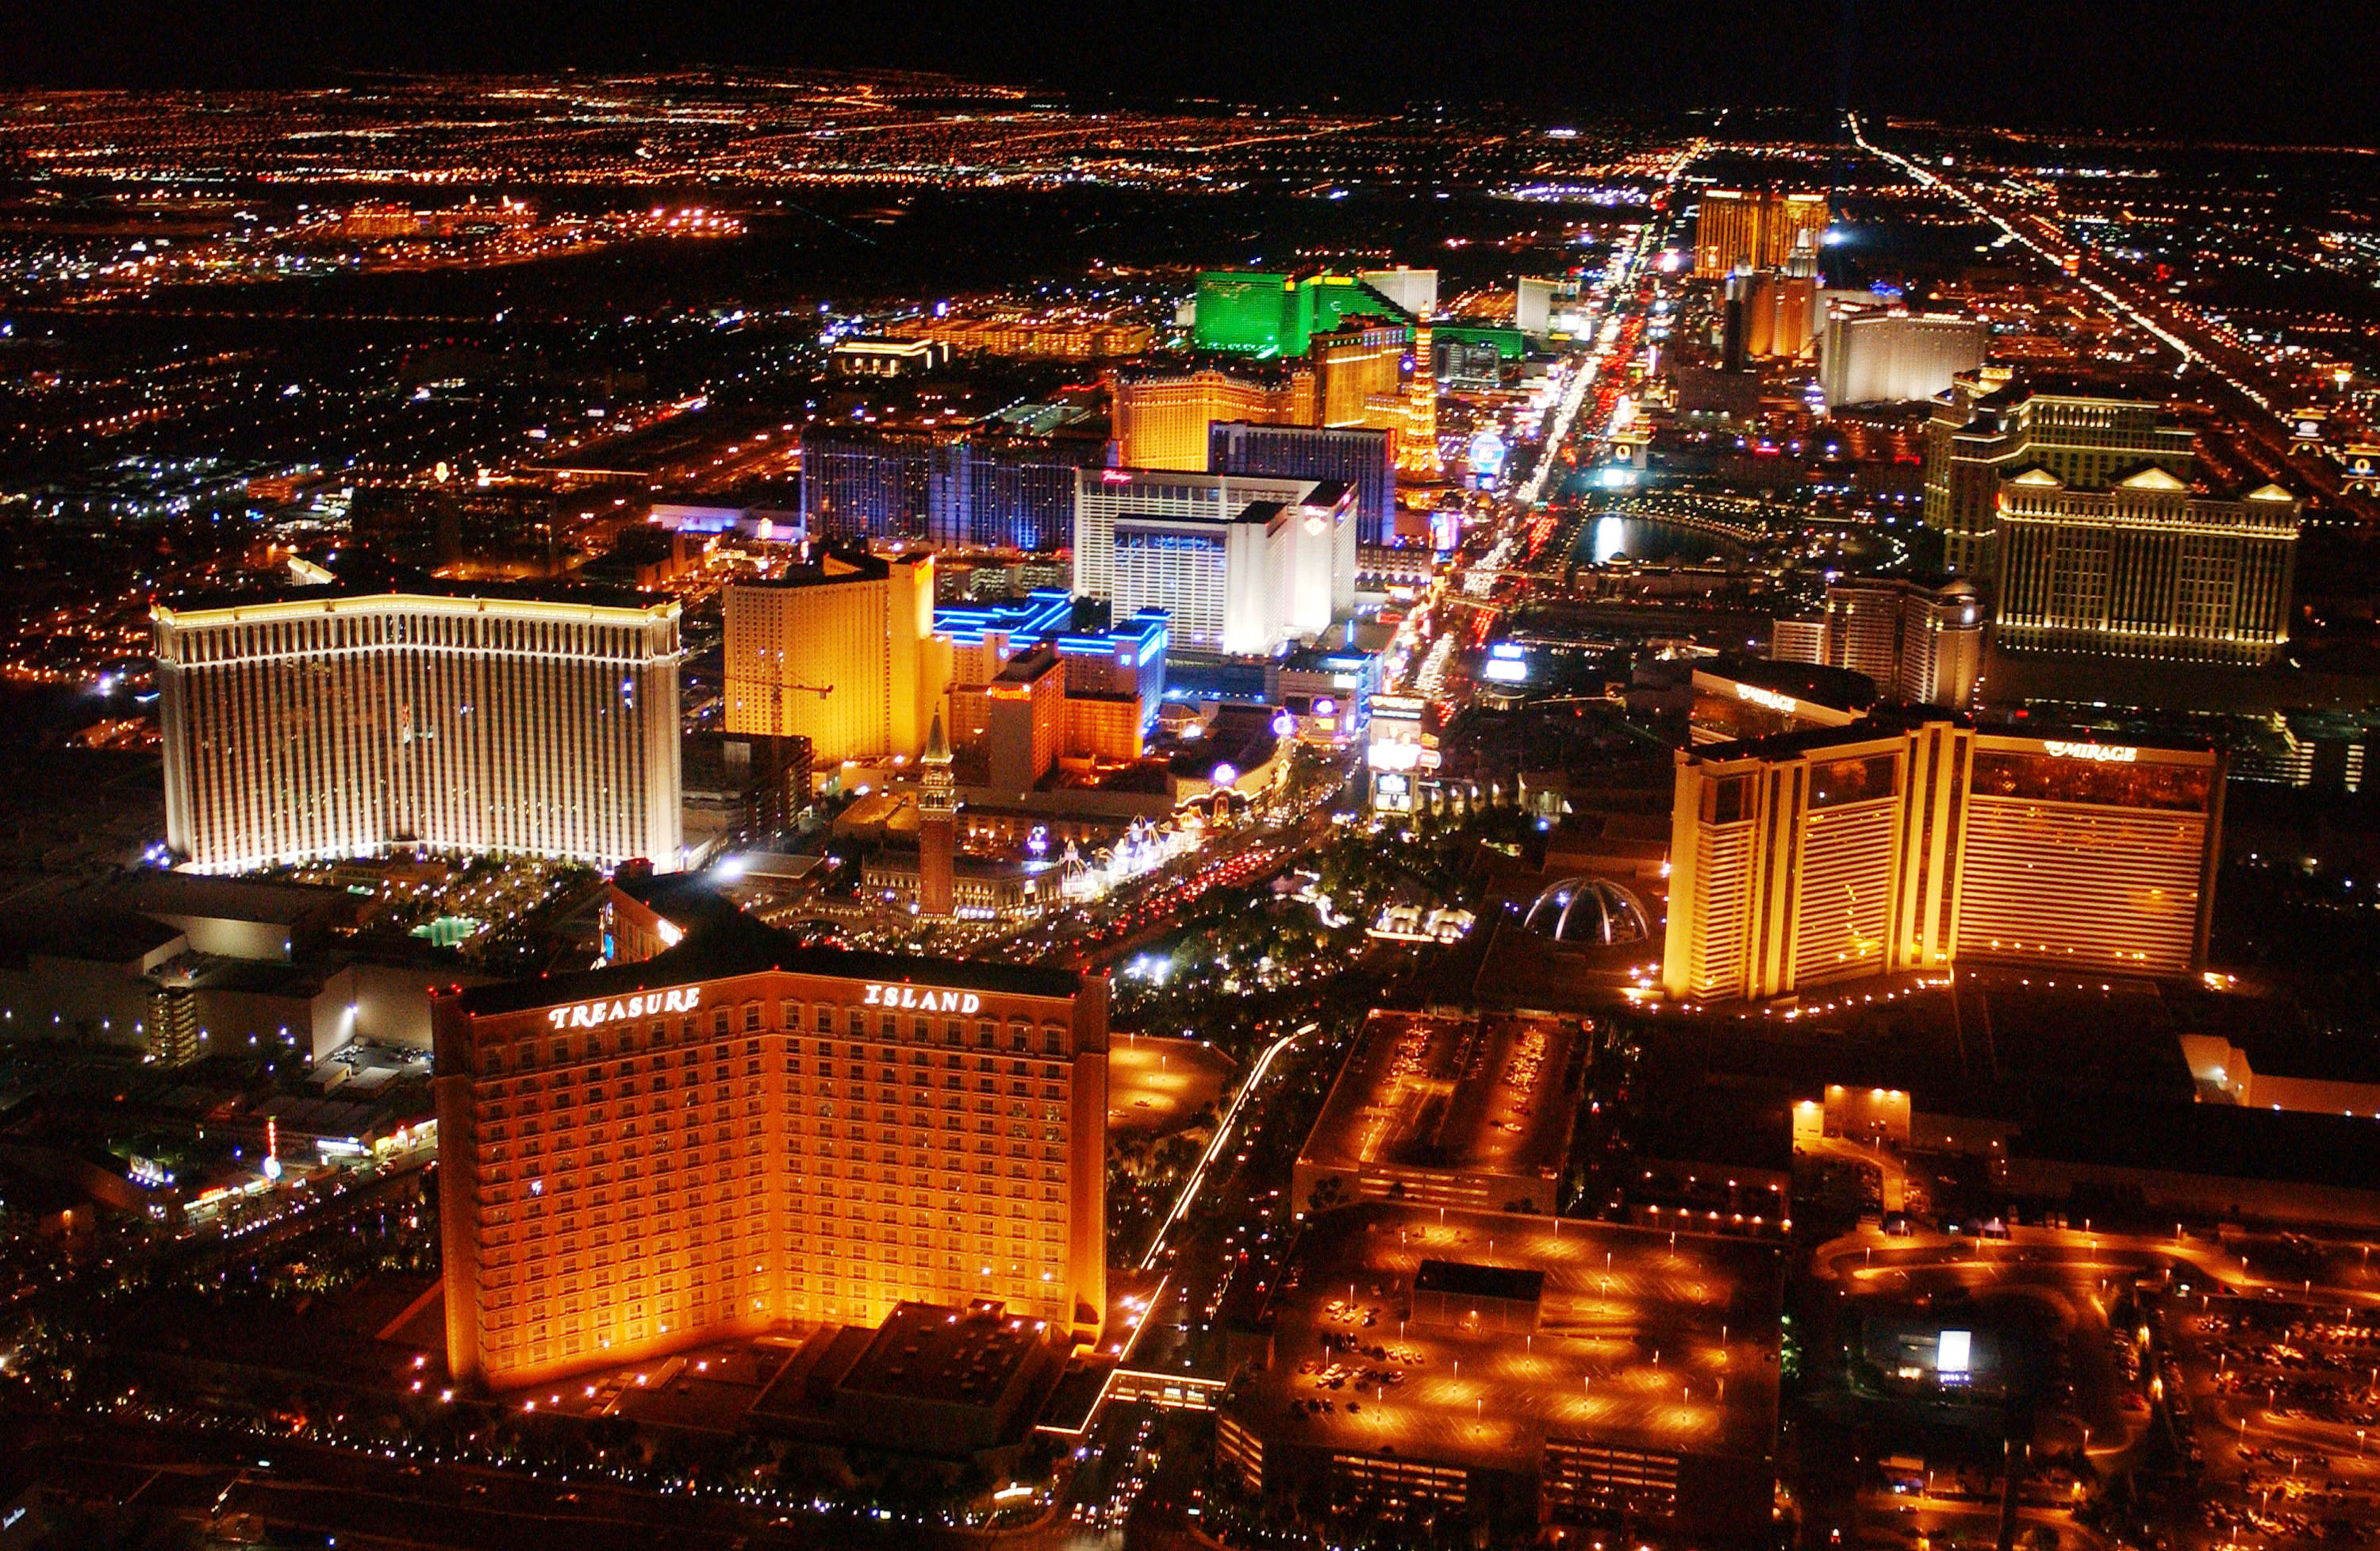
{"x": 741, "y": 1132}
{"x": 1829, "y": 854}
{"x": 323, "y": 725}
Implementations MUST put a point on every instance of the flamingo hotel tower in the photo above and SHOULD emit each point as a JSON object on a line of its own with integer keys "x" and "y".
{"x": 742, "y": 1133}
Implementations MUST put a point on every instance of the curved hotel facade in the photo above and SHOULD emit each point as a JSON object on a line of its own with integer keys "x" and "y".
{"x": 1838, "y": 853}
{"x": 311, "y": 728}
{"x": 741, "y": 1134}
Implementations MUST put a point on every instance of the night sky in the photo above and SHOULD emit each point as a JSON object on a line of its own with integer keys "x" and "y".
{"x": 2248, "y": 69}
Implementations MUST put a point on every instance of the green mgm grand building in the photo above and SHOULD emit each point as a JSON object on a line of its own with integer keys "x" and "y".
{"x": 1249, "y": 312}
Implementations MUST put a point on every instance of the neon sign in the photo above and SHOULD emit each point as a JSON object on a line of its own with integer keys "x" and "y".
{"x": 2105, "y": 754}
{"x": 1769, "y": 697}
{"x": 592, "y": 1014}
{"x": 922, "y": 1000}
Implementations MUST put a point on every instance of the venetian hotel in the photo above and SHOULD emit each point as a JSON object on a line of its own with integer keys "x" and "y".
{"x": 741, "y": 1134}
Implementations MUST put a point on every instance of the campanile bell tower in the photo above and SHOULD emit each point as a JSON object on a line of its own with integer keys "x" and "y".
{"x": 937, "y": 809}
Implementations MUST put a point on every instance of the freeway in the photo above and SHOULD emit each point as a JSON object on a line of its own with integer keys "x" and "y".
{"x": 2254, "y": 391}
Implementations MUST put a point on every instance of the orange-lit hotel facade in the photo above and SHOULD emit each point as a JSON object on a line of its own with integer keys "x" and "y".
{"x": 1809, "y": 858}
{"x": 742, "y": 1133}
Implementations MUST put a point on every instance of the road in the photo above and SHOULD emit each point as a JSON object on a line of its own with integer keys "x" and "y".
{"x": 374, "y": 1501}
{"x": 1118, "y": 923}
{"x": 2073, "y": 1276}
{"x": 2257, "y": 396}
{"x": 1424, "y": 656}
{"x": 1224, "y": 1131}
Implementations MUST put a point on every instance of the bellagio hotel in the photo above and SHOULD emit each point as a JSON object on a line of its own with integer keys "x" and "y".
{"x": 741, "y": 1134}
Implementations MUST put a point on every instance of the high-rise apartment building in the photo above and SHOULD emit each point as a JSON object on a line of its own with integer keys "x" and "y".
{"x": 1807, "y": 859}
{"x": 1735, "y": 229}
{"x": 1462, "y": 359}
{"x": 1037, "y": 338}
{"x": 1103, "y": 495}
{"x": 1162, "y": 418}
{"x": 1025, "y": 719}
{"x": 741, "y": 787}
{"x": 1774, "y": 314}
{"x": 1413, "y": 292}
{"x": 313, "y": 727}
{"x": 1871, "y": 355}
{"x": 984, "y": 493}
{"x": 1360, "y": 457}
{"x": 2144, "y": 569}
{"x": 958, "y": 491}
{"x": 864, "y": 482}
{"x": 1798, "y": 639}
{"x": 1359, "y": 374}
{"x": 1242, "y": 563}
{"x": 1988, "y": 426}
{"x": 841, "y": 652}
{"x": 1533, "y": 302}
{"x": 1919, "y": 642}
{"x": 1350, "y": 358}
{"x": 743, "y": 1133}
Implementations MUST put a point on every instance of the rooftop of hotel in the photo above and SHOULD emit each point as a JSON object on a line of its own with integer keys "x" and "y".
{"x": 1492, "y": 1095}
{"x": 1893, "y": 721}
{"x": 1907, "y": 1035}
{"x": 376, "y": 581}
{"x": 1075, "y": 624}
{"x": 1028, "y": 666}
{"x": 2216, "y": 1141}
{"x": 832, "y": 567}
{"x": 1642, "y": 1342}
{"x": 1840, "y": 688}
{"x": 924, "y": 1352}
{"x": 2018, "y": 388}
{"x": 736, "y": 944}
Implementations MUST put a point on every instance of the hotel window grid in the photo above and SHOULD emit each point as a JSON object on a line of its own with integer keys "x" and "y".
{"x": 2145, "y": 570}
{"x": 1185, "y": 573}
{"x": 1910, "y": 851}
{"x": 300, "y": 730}
{"x": 735, "y": 1191}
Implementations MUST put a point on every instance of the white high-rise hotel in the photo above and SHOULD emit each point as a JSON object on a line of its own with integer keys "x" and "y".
{"x": 1242, "y": 562}
{"x": 306, "y": 729}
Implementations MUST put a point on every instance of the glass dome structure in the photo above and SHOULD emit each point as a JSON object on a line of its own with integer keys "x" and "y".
{"x": 1588, "y": 911}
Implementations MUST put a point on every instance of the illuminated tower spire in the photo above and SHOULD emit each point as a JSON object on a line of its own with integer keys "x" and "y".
{"x": 937, "y": 826}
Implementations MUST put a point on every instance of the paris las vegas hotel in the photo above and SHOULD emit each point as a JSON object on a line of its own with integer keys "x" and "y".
{"x": 1834, "y": 847}
{"x": 741, "y": 1132}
